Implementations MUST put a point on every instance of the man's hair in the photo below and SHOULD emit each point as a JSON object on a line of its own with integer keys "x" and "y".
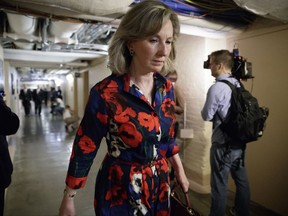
{"x": 223, "y": 56}
{"x": 143, "y": 20}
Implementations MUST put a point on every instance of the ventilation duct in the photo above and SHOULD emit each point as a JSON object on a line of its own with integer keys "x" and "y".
{"x": 276, "y": 9}
{"x": 63, "y": 29}
{"x": 72, "y": 7}
{"x": 22, "y": 25}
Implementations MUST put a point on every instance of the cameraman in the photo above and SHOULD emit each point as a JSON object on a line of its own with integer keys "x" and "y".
{"x": 224, "y": 159}
{"x": 9, "y": 125}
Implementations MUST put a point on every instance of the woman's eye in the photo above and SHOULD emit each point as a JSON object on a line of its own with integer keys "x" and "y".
{"x": 153, "y": 40}
{"x": 168, "y": 42}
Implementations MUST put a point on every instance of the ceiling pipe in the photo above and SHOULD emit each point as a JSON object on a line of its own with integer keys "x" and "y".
{"x": 44, "y": 43}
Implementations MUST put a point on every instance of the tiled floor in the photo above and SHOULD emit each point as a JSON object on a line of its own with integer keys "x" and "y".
{"x": 41, "y": 153}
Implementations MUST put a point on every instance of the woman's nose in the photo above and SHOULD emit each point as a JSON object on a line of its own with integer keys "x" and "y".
{"x": 163, "y": 49}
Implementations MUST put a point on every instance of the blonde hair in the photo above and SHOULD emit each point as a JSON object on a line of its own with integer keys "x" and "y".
{"x": 141, "y": 21}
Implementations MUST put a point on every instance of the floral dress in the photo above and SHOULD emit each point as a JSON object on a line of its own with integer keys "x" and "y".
{"x": 134, "y": 176}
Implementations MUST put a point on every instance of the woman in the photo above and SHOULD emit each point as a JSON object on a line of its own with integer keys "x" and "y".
{"x": 134, "y": 110}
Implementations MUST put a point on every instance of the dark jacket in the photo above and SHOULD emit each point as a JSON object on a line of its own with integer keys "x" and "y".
{"x": 9, "y": 124}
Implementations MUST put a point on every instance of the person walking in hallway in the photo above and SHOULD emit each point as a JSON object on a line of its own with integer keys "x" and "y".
{"x": 134, "y": 109}
{"x": 9, "y": 125}
{"x": 226, "y": 155}
{"x": 38, "y": 96}
{"x": 25, "y": 96}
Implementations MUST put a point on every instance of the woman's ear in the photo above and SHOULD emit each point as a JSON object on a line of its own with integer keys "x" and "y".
{"x": 130, "y": 45}
{"x": 130, "y": 48}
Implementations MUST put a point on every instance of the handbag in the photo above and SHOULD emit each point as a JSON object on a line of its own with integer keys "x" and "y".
{"x": 178, "y": 207}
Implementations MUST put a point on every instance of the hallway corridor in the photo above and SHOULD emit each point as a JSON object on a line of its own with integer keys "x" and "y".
{"x": 42, "y": 149}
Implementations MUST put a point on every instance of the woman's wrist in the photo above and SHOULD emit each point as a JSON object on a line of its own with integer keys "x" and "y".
{"x": 69, "y": 193}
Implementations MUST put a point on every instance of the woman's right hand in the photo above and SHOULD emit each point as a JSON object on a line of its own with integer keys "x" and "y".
{"x": 67, "y": 207}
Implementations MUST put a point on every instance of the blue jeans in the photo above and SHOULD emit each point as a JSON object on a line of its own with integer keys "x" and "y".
{"x": 233, "y": 163}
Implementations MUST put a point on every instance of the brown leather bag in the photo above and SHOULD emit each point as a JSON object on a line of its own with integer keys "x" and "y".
{"x": 180, "y": 207}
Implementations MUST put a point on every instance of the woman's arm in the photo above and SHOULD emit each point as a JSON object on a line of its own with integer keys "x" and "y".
{"x": 179, "y": 172}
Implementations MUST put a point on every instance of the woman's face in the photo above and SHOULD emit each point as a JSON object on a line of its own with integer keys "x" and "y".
{"x": 151, "y": 53}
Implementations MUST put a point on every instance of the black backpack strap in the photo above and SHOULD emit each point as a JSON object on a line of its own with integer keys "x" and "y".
{"x": 232, "y": 88}
{"x": 231, "y": 85}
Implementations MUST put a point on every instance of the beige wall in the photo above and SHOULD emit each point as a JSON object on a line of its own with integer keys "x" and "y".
{"x": 98, "y": 72}
{"x": 267, "y": 162}
{"x": 10, "y": 80}
{"x": 194, "y": 82}
{"x": 267, "y": 159}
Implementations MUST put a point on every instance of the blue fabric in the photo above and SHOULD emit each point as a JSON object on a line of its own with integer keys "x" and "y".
{"x": 134, "y": 176}
{"x": 219, "y": 180}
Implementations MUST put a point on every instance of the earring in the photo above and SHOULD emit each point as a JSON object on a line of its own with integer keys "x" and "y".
{"x": 131, "y": 51}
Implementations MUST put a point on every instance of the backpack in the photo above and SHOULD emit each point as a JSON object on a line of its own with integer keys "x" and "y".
{"x": 246, "y": 120}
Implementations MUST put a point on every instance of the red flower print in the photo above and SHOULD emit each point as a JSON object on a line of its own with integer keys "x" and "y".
{"x": 76, "y": 183}
{"x": 172, "y": 130}
{"x": 130, "y": 135}
{"x": 164, "y": 188}
{"x": 168, "y": 86}
{"x": 168, "y": 107}
{"x": 80, "y": 131}
{"x": 115, "y": 174}
{"x": 146, "y": 120}
{"x": 162, "y": 213}
{"x": 113, "y": 85}
{"x": 102, "y": 118}
{"x": 116, "y": 195}
{"x": 112, "y": 88}
{"x": 163, "y": 152}
{"x": 102, "y": 85}
{"x": 124, "y": 116}
{"x": 115, "y": 106}
{"x": 86, "y": 144}
{"x": 165, "y": 167}
{"x": 108, "y": 86}
{"x": 149, "y": 121}
{"x": 175, "y": 150}
{"x": 131, "y": 112}
{"x": 126, "y": 83}
{"x": 156, "y": 122}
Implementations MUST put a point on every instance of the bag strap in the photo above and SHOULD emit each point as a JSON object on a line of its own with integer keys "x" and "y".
{"x": 232, "y": 87}
{"x": 187, "y": 199}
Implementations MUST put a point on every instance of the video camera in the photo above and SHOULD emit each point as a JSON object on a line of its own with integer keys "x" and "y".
{"x": 241, "y": 68}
